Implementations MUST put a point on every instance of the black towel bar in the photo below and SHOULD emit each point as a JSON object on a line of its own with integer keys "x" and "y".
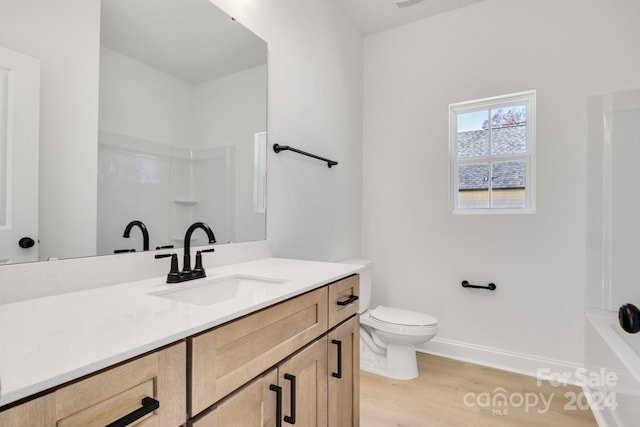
{"x": 278, "y": 148}
{"x": 490, "y": 286}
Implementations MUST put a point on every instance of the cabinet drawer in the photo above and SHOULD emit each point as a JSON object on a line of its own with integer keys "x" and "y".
{"x": 105, "y": 397}
{"x": 342, "y": 292}
{"x": 227, "y": 357}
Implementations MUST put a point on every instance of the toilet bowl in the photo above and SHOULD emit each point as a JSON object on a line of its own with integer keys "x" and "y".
{"x": 388, "y": 335}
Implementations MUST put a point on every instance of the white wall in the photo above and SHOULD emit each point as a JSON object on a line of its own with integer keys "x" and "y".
{"x": 566, "y": 51}
{"x": 315, "y": 104}
{"x": 64, "y": 35}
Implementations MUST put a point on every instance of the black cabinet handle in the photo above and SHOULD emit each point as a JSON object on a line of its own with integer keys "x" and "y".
{"x": 292, "y": 418}
{"x": 339, "y": 373}
{"x": 148, "y": 406}
{"x": 352, "y": 298}
{"x": 278, "y": 391}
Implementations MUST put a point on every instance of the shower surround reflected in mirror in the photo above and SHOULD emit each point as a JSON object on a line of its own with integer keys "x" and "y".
{"x": 182, "y": 106}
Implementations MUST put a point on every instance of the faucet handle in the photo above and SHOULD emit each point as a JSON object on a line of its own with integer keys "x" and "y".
{"x": 208, "y": 250}
{"x": 174, "y": 272}
{"x": 198, "y": 269}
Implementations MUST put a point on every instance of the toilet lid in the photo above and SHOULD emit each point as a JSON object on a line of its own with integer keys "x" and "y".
{"x": 402, "y": 317}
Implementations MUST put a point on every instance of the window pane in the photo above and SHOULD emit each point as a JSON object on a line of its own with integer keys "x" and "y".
{"x": 473, "y": 134}
{"x": 508, "y": 181}
{"x": 509, "y": 130}
{"x": 473, "y": 190}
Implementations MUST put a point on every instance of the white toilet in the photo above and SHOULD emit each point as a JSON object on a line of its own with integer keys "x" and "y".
{"x": 388, "y": 336}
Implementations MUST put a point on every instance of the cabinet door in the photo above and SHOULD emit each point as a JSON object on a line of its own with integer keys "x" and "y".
{"x": 103, "y": 398}
{"x": 231, "y": 355}
{"x": 303, "y": 379}
{"x": 344, "y": 374}
{"x": 254, "y": 405}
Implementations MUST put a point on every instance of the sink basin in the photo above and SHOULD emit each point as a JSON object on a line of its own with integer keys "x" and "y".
{"x": 213, "y": 291}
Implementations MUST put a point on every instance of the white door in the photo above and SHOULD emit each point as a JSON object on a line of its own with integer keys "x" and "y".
{"x": 19, "y": 133}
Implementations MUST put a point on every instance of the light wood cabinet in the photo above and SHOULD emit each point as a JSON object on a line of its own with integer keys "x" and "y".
{"x": 103, "y": 398}
{"x": 293, "y": 392}
{"x": 225, "y": 358}
{"x": 343, "y": 299}
{"x": 303, "y": 379}
{"x": 344, "y": 374}
{"x": 251, "y": 406}
{"x": 318, "y": 386}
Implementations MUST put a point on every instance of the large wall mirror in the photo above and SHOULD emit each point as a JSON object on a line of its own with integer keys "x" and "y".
{"x": 181, "y": 129}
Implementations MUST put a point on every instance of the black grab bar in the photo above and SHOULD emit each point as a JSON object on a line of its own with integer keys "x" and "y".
{"x": 490, "y": 286}
{"x": 278, "y": 148}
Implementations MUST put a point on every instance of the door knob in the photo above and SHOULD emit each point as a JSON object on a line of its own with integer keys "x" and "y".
{"x": 26, "y": 242}
{"x": 629, "y": 317}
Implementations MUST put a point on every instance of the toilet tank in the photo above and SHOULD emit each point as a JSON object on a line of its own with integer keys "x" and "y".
{"x": 365, "y": 281}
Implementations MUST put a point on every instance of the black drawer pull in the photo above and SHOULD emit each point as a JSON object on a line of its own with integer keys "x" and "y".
{"x": 351, "y": 299}
{"x": 339, "y": 373}
{"x": 278, "y": 391}
{"x": 148, "y": 406}
{"x": 291, "y": 419}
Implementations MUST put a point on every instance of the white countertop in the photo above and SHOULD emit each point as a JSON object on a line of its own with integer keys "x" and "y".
{"x": 46, "y": 342}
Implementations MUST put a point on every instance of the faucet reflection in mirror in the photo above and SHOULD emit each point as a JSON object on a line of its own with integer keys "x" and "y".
{"x": 143, "y": 229}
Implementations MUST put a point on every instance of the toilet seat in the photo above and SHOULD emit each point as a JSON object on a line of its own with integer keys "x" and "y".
{"x": 398, "y": 321}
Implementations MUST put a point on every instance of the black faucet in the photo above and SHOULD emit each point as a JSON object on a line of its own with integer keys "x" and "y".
{"x": 186, "y": 261}
{"x": 177, "y": 276}
{"x": 143, "y": 228}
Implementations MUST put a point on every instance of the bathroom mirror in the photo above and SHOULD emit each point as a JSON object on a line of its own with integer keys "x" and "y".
{"x": 181, "y": 130}
{"x": 194, "y": 79}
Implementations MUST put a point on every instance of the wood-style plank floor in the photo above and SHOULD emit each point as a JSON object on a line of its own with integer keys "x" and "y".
{"x": 449, "y": 393}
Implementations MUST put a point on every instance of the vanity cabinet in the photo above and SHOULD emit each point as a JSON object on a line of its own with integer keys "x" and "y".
{"x": 223, "y": 359}
{"x": 293, "y": 392}
{"x": 105, "y": 397}
{"x": 317, "y": 386}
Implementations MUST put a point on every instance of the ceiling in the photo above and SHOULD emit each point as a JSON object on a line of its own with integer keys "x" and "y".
{"x": 371, "y": 16}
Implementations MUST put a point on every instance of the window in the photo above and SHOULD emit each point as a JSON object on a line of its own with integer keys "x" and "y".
{"x": 492, "y": 149}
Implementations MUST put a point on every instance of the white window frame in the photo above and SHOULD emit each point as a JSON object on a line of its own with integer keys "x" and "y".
{"x": 528, "y": 99}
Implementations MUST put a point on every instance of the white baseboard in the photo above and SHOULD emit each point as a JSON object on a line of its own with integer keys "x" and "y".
{"x": 519, "y": 363}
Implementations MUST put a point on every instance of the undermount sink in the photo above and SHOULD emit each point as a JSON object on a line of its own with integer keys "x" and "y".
{"x": 217, "y": 290}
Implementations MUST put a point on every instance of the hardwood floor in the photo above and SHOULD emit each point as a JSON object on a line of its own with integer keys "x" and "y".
{"x": 449, "y": 393}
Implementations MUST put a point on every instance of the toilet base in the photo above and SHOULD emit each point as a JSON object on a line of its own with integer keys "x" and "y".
{"x": 402, "y": 362}
{"x": 398, "y": 362}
